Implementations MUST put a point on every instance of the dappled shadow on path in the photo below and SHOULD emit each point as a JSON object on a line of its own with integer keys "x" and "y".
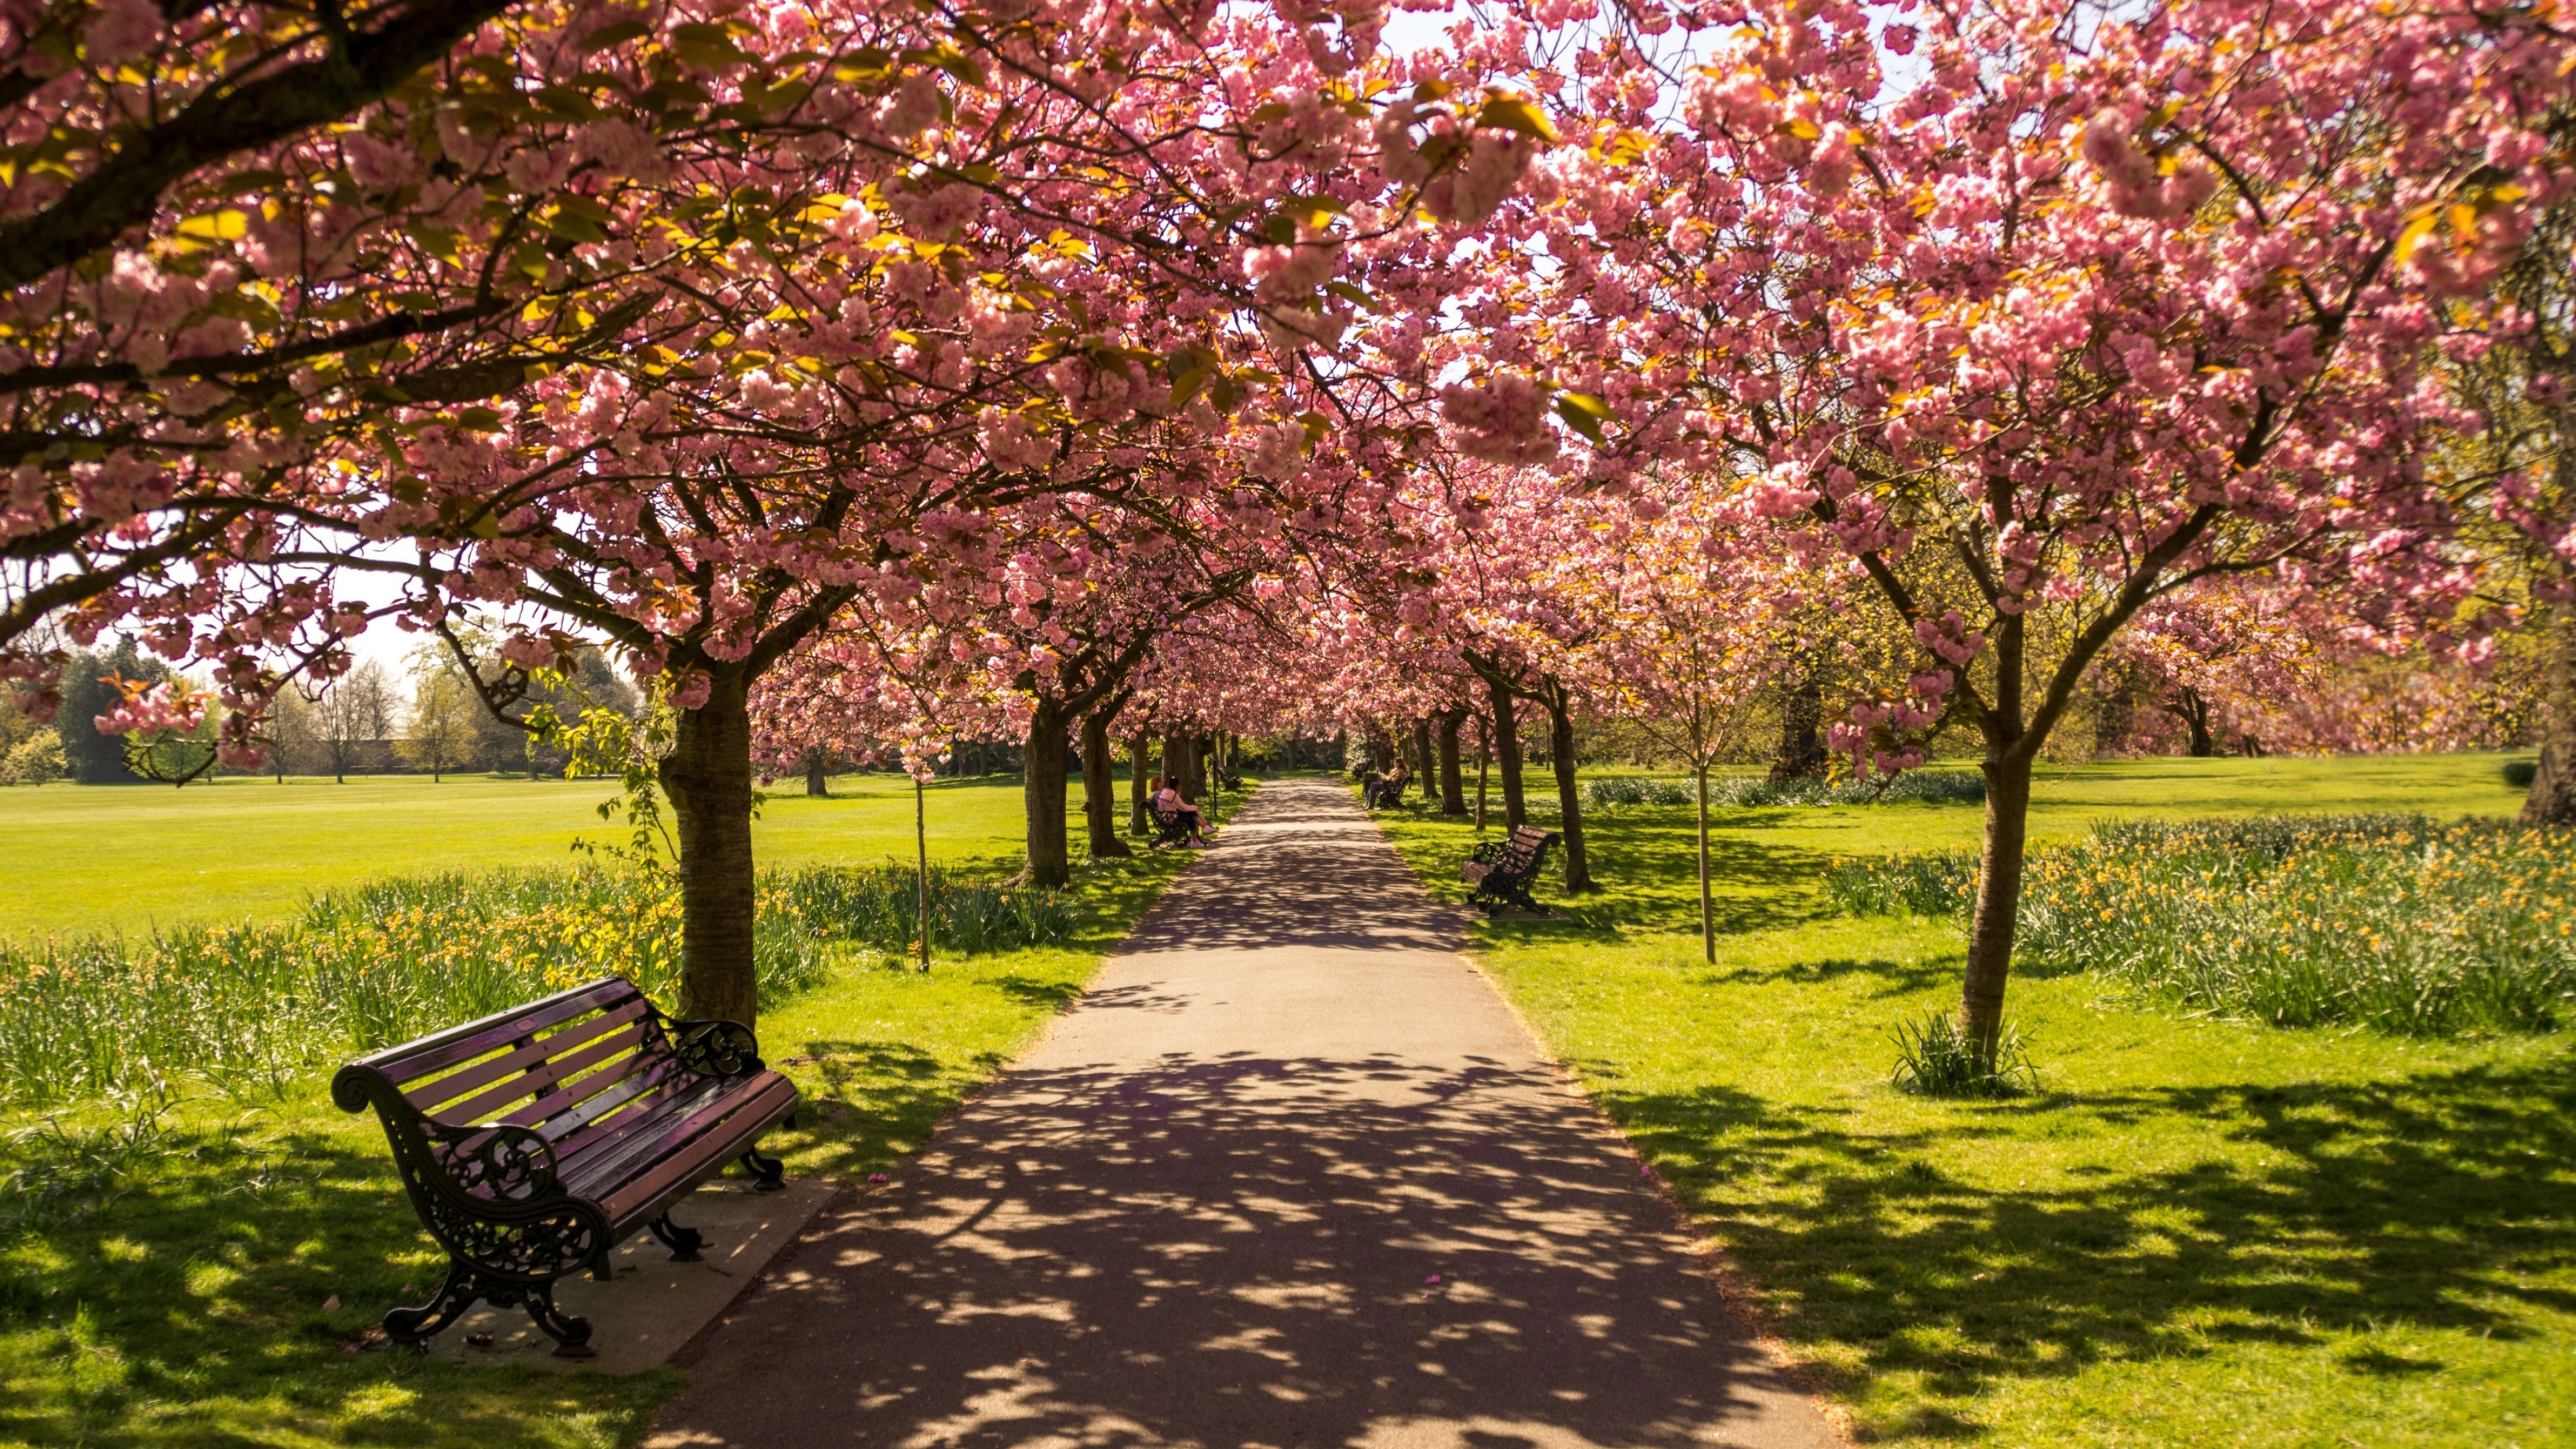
{"x": 1244, "y": 1250}
{"x": 1301, "y": 866}
{"x": 2435, "y": 1202}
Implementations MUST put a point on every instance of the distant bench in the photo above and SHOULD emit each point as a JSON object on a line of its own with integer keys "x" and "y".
{"x": 1501, "y": 870}
{"x": 533, "y": 1142}
{"x": 1382, "y": 791}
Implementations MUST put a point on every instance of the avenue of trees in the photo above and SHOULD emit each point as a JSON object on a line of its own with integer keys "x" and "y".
{"x": 870, "y": 378}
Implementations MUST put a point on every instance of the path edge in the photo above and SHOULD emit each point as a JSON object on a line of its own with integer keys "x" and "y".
{"x": 1717, "y": 1265}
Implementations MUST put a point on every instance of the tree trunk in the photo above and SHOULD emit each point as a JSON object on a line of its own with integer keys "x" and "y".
{"x": 1453, "y": 800}
{"x": 1707, "y": 908}
{"x": 2552, "y": 800}
{"x": 1176, "y": 767}
{"x": 2193, "y": 711}
{"x": 708, "y": 777}
{"x": 1100, "y": 789}
{"x": 1137, "y": 823}
{"x": 921, "y": 878}
{"x": 1422, "y": 765}
{"x": 1042, "y": 791}
{"x": 1802, "y": 753}
{"x": 1198, "y": 759}
{"x": 814, "y": 782}
{"x": 1569, "y": 801}
{"x": 1990, "y": 936}
{"x": 1507, "y": 751}
{"x": 1484, "y": 766}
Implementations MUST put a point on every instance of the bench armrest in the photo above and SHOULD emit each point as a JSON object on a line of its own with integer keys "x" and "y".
{"x": 715, "y": 1047}
{"x": 500, "y": 1163}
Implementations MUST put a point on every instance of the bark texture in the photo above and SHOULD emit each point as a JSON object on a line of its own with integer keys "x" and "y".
{"x": 1999, "y": 869}
{"x": 1569, "y": 800}
{"x": 708, "y": 777}
{"x": 2552, "y": 800}
{"x": 1100, "y": 789}
{"x": 1507, "y": 755}
{"x": 1453, "y": 795}
{"x": 1801, "y": 755}
{"x": 815, "y": 784}
{"x": 1138, "y": 768}
{"x": 1042, "y": 788}
{"x": 2193, "y": 711}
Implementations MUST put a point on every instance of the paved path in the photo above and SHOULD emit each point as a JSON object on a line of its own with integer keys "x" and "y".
{"x": 1209, "y": 1208}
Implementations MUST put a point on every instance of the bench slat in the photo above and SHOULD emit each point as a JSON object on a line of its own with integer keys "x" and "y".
{"x": 547, "y": 1077}
{"x": 626, "y": 1145}
{"x": 573, "y": 1130}
{"x": 695, "y": 1145}
{"x": 552, "y": 1048}
{"x": 416, "y": 1059}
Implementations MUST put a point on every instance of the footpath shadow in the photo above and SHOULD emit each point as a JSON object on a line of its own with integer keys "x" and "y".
{"x": 1299, "y": 864}
{"x": 2433, "y": 1202}
{"x": 1237, "y": 1251}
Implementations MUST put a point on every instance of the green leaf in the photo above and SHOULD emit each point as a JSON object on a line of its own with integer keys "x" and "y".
{"x": 1584, "y": 413}
{"x": 615, "y": 32}
{"x": 1511, "y": 113}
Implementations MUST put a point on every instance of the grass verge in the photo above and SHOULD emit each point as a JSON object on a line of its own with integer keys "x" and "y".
{"x": 168, "y": 1277}
{"x": 2195, "y": 1231}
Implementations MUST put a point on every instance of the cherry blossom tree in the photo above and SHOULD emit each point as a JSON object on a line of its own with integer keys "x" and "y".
{"x": 740, "y": 316}
{"x": 1701, "y": 608}
{"x": 2075, "y": 312}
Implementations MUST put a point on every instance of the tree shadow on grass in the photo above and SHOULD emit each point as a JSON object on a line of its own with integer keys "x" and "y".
{"x": 877, "y": 1101}
{"x": 1893, "y": 978}
{"x": 2428, "y": 1202}
{"x": 185, "y": 1304}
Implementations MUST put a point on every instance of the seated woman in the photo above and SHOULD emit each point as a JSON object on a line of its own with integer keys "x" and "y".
{"x": 1167, "y": 798}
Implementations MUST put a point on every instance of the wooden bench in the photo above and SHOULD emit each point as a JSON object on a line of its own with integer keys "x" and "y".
{"x": 1501, "y": 870}
{"x": 533, "y": 1142}
{"x": 1382, "y": 791}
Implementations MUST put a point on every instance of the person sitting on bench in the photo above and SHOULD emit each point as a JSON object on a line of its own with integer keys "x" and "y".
{"x": 1167, "y": 798}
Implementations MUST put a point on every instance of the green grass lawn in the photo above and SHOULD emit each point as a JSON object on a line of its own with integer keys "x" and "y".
{"x": 2200, "y": 1232}
{"x": 163, "y": 1280}
{"x": 86, "y": 858}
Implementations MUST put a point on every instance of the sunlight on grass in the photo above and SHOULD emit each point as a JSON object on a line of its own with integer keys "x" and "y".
{"x": 163, "y": 1276}
{"x": 2197, "y": 1232}
{"x": 95, "y": 858}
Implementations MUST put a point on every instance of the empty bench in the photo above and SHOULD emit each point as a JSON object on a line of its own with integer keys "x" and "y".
{"x": 533, "y": 1142}
{"x": 1501, "y": 870}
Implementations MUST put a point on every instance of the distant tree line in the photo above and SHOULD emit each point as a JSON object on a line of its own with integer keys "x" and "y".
{"x": 426, "y": 719}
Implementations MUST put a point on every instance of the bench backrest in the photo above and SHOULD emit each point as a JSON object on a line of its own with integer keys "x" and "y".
{"x": 564, "y": 1068}
{"x": 1528, "y": 844}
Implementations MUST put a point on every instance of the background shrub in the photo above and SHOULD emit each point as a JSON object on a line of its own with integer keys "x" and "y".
{"x": 2392, "y": 921}
{"x": 2520, "y": 773}
{"x": 252, "y": 1007}
{"x": 37, "y": 760}
{"x": 1756, "y": 792}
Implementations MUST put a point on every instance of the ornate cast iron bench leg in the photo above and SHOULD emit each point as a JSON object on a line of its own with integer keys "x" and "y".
{"x": 683, "y": 1242}
{"x": 768, "y": 1173}
{"x": 571, "y": 1335}
{"x": 413, "y": 1328}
